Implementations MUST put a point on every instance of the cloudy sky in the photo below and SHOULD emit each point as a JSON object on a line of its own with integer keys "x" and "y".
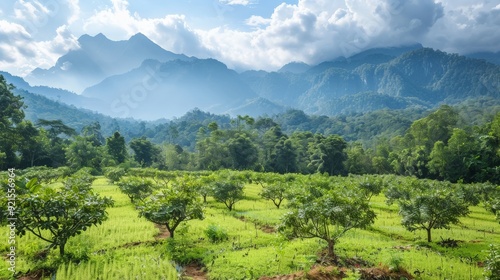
{"x": 246, "y": 34}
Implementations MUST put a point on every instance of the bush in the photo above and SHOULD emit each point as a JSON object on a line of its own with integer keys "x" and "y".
{"x": 114, "y": 174}
{"x": 216, "y": 234}
{"x": 492, "y": 263}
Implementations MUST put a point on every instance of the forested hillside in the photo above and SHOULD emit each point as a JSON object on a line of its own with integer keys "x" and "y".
{"x": 451, "y": 143}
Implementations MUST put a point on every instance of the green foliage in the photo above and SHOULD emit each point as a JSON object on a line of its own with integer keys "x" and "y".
{"x": 492, "y": 263}
{"x": 396, "y": 263}
{"x": 57, "y": 215}
{"x": 228, "y": 191}
{"x": 116, "y": 147}
{"x": 172, "y": 206}
{"x": 136, "y": 188}
{"x": 114, "y": 174}
{"x": 276, "y": 190}
{"x": 145, "y": 152}
{"x": 425, "y": 204}
{"x": 326, "y": 212}
{"x": 215, "y": 233}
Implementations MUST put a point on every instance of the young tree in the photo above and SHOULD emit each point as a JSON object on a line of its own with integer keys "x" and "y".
{"x": 136, "y": 188}
{"x": 428, "y": 205}
{"x": 228, "y": 191}
{"x": 57, "y": 215}
{"x": 172, "y": 206}
{"x": 326, "y": 214}
{"x": 275, "y": 188}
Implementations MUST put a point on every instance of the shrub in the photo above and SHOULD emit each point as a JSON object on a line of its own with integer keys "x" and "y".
{"x": 492, "y": 263}
{"x": 216, "y": 234}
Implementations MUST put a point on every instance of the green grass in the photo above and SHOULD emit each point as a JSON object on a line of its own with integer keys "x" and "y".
{"x": 124, "y": 246}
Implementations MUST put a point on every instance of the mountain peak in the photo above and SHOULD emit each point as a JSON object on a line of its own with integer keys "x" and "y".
{"x": 139, "y": 36}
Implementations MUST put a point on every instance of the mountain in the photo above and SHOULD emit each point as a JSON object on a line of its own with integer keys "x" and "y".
{"x": 295, "y": 67}
{"x": 40, "y": 107}
{"x": 55, "y": 94}
{"x": 98, "y": 58}
{"x": 158, "y": 90}
{"x": 488, "y": 56}
{"x": 373, "y": 80}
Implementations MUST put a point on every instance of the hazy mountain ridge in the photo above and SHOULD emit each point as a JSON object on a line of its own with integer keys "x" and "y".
{"x": 421, "y": 77}
{"x": 137, "y": 78}
{"x": 98, "y": 58}
{"x": 156, "y": 89}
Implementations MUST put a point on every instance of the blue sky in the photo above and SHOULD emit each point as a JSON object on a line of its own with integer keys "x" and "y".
{"x": 246, "y": 34}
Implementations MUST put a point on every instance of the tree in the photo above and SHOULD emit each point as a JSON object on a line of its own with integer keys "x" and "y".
{"x": 172, "y": 206}
{"x": 243, "y": 152}
{"x": 57, "y": 215}
{"x": 428, "y": 205}
{"x": 228, "y": 191}
{"x": 116, "y": 147}
{"x": 283, "y": 158}
{"x": 328, "y": 154}
{"x": 136, "y": 188}
{"x": 11, "y": 114}
{"x": 58, "y": 134}
{"x": 93, "y": 133}
{"x": 276, "y": 191}
{"x": 326, "y": 214}
{"x": 34, "y": 145}
{"x": 81, "y": 153}
{"x": 144, "y": 151}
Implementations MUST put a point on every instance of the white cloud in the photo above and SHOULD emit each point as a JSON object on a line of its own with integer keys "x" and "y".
{"x": 313, "y": 31}
{"x": 35, "y": 33}
{"x": 171, "y": 31}
{"x": 236, "y": 2}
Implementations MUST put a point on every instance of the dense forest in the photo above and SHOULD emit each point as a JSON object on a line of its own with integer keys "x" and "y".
{"x": 460, "y": 143}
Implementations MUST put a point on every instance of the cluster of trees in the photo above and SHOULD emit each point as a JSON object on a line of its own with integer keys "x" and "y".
{"x": 320, "y": 206}
{"x": 438, "y": 146}
{"x": 54, "y": 215}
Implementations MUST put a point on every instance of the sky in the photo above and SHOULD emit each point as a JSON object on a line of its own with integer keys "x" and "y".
{"x": 246, "y": 34}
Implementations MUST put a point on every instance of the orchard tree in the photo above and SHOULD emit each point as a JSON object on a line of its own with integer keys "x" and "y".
{"x": 427, "y": 205}
{"x": 57, "y": 215}
{"x": 326, "y": 214}
{"x": 172, "y": 206}
{"x": 228, "y": 191}
{"x": 136, "y": 188}
{"x": 275, "y": 188}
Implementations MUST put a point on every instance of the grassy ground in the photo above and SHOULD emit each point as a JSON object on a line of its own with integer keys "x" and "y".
{"x": 125, "y": 247}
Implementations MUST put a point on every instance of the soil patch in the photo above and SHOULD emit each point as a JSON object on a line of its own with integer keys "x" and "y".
{"x": 36, "y": 275}
{"x": 383, "y": 273}
{"x": 194, "y": 271}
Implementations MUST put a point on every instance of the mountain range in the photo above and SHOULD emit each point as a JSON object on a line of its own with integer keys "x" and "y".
{"x": 136, "y": 78}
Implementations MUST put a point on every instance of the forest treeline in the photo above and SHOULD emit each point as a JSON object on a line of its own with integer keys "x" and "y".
{"x": 441, "y": 145}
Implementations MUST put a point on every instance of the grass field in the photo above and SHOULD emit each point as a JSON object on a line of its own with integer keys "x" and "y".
{"x": 125, "y": 247}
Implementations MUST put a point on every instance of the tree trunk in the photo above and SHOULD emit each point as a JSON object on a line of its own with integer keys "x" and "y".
{"x": 61, "y": 249}
{"x": 170, "y": 230}
{"x": 331, "y": 249}
{"x": 428, "y": 235}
